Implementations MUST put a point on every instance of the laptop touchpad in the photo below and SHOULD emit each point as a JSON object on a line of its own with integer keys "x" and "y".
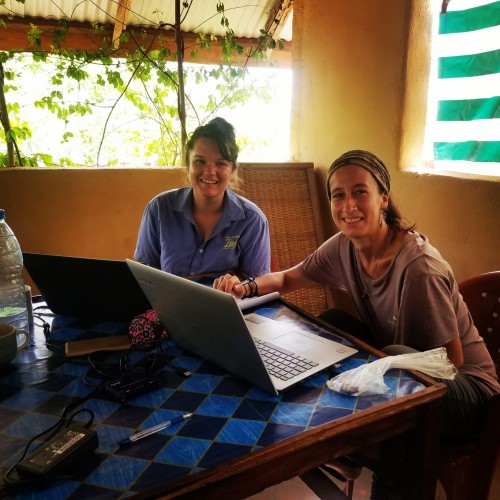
{"x": 295, "y": 341}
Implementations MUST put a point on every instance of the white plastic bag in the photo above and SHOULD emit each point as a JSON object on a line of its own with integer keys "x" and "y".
{"x": 369, "y": 379}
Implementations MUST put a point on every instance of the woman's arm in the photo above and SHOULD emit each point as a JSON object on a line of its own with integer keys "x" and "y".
{"x": 281, "y": 281}
{"x": 454, "y": 352}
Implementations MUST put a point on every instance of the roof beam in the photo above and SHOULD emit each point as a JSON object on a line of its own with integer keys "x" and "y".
{"x": 278, "y": 16}
{"x": 277, "y": 19}
{"x": 121, "y": 20}
{"x": 81, "y": 36}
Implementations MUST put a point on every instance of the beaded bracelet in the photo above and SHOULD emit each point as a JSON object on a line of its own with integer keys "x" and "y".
{"x": 252, "y": 290}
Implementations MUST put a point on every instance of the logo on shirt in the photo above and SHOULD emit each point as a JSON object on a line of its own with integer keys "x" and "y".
{"x": 231, "y": 242}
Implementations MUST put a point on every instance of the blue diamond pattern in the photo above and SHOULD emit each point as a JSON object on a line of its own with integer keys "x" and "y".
{"x": 241, "y": 431}
{"x": 230, "y": 416}
{"x": 184, "y": 451}
{"x": 222, "y": 406}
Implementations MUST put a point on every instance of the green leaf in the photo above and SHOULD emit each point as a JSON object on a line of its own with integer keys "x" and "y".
{"x": 124, "y": 36}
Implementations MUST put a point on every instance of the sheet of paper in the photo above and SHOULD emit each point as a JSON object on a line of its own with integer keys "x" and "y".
{"x": 256, "y": 301}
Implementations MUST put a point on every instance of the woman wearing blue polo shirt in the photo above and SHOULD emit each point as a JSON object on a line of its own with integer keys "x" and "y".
{"x": 206, "y": 228}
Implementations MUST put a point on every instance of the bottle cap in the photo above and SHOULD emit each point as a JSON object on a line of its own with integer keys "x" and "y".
{"x": 2, "y": 213}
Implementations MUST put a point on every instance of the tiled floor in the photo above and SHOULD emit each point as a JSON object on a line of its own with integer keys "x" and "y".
{"x": 295, "y": 489}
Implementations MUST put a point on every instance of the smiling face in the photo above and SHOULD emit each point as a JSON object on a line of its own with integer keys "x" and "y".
{"x": 209, "y": 172}
{"x": 356, "y": 202}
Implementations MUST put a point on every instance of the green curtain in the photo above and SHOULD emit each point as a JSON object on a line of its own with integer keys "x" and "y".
{"x": 486, "y": 65}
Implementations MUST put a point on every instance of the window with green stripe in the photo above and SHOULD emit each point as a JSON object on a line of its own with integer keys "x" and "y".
{"x": 463, "y": 121}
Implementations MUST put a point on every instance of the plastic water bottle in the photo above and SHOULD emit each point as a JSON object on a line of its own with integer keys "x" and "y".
{"x": 12, "y": 295}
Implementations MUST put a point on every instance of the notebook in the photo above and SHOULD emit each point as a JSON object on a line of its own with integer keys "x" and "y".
{"x": 85, "y": 287}
{"x": 210, "y": 324}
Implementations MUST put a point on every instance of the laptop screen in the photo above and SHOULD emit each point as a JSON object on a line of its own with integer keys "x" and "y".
{"x": 86, "y": 287}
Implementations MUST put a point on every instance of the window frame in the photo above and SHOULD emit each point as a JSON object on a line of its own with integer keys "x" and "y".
{"x": 418, "y": 74}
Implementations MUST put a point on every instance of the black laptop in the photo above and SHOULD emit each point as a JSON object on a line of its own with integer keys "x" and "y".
{"x": 85, "y": 287}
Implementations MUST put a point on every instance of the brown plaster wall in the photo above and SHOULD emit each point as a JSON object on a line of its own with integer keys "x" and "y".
{"x": 81, "y": 212}
{"x": 349, "y": 61}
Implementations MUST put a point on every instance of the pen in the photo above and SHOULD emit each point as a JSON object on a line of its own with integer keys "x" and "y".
{"x": 152, "y": 430}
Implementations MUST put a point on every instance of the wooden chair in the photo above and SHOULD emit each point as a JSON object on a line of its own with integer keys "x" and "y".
{"x": 287, "y": 194}
{"x": 320, "y": 481}
{"x": 466, "y": 472}
{"x": 482, "y": 295}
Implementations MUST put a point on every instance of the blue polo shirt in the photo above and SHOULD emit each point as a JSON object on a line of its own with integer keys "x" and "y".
{"x": 169, "y": 238}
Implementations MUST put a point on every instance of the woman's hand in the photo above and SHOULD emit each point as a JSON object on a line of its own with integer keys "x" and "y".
{"x": 229, "y": 284}
{"x": 280, "y": 281}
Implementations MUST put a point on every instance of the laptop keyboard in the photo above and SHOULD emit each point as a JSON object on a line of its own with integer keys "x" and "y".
{"x": 281, "y": 363}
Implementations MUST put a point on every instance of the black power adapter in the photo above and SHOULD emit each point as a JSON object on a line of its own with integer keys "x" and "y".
{"x": 60, "y": 453}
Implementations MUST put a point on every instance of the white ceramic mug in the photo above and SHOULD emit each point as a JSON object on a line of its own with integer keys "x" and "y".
{"x": 8, "y": 343}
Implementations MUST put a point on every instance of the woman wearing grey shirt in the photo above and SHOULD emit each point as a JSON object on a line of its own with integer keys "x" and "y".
{"x": 405, "y": 294}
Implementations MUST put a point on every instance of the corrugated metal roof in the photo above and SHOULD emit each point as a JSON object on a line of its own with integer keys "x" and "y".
{"x": 246, "y": 18}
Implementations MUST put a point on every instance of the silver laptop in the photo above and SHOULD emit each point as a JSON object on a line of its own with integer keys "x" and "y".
{"x": 210, "y": 324}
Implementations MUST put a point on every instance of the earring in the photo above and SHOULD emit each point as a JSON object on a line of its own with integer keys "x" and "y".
{"x": 383, "y": 216}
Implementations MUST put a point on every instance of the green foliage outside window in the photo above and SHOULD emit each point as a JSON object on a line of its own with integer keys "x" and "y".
{"x": 107, "y": 106}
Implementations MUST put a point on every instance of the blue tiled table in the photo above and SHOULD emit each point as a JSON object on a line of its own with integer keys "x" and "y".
{"x": 238, "y": 434}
